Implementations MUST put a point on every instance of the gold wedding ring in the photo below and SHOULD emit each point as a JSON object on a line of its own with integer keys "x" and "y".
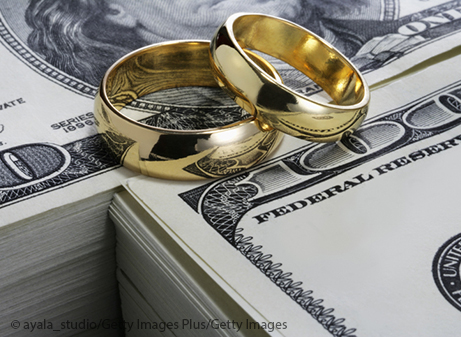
{"x": 175, "y": 154}
{"x": 272, "y": 102}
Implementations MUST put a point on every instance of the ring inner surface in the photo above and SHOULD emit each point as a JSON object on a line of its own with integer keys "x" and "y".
{"x": 167, "y": 66}
{"x": 159, "y": 68}
{"x": 305, "y": 52}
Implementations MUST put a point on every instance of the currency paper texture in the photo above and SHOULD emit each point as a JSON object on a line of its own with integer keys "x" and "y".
{"x": 54, "y": 53}
{"x": 356, "y": 238}
{"x": 48, "y": 141}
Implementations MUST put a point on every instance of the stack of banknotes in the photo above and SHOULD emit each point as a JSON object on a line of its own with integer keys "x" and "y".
{"x": 358, "y": 238}
{"x": 57, "y": 264}
{"x": 364, "y": 243}
{"x": 355, "y": 238}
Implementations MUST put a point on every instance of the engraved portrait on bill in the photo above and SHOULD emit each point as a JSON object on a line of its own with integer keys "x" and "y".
{"x": 72, "y": 43}
{"x": 83, "y": 38}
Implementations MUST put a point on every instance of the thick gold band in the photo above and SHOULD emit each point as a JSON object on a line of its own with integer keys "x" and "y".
{"x": 274, "y": 103}
{"x": 175, "y": 154}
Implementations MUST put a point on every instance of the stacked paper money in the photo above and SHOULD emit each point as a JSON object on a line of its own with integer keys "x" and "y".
{"x": 163, "y": 291}
{"x": 57, "y": 265}
{"x": 361, "y": 245}
{"x": 58, "y": 272}
{"x": 315, "y": 257}
{"x": 357, "y": 238}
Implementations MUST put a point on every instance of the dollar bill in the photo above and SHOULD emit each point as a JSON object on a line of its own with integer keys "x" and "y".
{"x": 361, "y": 236}
{"x": 55, "y": 53}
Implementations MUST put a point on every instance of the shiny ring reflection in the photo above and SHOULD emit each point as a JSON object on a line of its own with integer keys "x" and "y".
{"x": 275, "y": 104}
{"x": 175, "y": 154}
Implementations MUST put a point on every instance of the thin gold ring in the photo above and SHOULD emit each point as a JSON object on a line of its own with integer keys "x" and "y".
{"x": 166, "y": 153}
{"x": 272, "y": 102}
